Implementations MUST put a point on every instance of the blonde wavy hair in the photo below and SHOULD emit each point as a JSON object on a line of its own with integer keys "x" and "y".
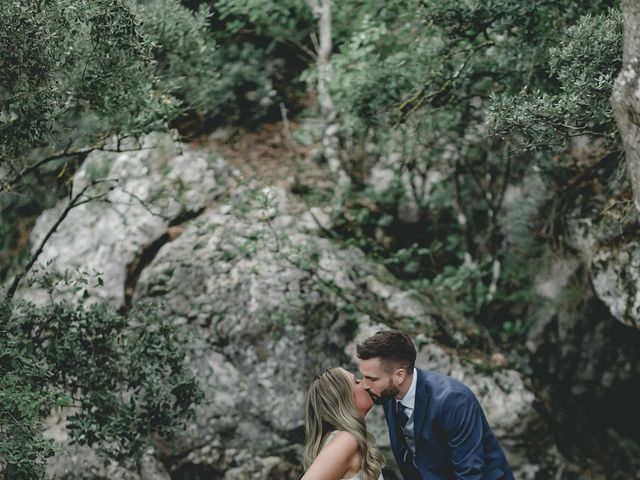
{"x": 329, "y": 406}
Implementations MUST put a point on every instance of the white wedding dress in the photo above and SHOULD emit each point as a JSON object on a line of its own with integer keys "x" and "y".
{"x": 357, "y": 476}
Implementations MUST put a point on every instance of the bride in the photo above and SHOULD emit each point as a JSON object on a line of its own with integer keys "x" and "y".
{"x": 338, "y": 445}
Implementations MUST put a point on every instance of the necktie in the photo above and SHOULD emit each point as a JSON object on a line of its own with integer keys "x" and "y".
{"x": 402, "y": 415}
{"x": 401, "y": 419}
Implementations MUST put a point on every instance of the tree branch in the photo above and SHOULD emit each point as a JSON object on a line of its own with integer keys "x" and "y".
{"x": 57, "y": 156}
{"x": 412, "y": 104}
{"x": 74, "y": 202}
{"x": 44, "y": 161}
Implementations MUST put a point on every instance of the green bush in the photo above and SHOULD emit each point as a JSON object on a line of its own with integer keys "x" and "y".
{"x": 488, "y": 95}
{"x": 585, "y": 66}
{"x": 74, "y": 74}
{"x": 125, "y": 377}
{"x": 285, "y": 21}
{"x": 187, "y": 61}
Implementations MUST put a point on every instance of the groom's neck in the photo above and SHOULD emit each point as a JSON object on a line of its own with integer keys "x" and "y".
{"x": 404, "y": 386}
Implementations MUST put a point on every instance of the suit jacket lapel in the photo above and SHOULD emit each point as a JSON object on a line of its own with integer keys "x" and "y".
{"x": 391, "y": 423}
{"x": 420, "y": 410}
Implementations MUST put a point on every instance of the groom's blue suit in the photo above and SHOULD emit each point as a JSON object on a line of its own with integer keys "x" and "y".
{"x": 452, "y": 437}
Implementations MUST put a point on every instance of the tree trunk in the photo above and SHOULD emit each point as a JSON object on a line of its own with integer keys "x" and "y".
{"x": 324, "y": 57}
{"x": 330, "y": 141}
{"x": 625, "y": 97}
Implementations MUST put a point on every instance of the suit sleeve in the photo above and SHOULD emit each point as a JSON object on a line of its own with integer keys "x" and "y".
{"x": 462, "y": 421}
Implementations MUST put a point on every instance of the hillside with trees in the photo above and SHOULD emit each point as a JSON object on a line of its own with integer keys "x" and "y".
{"x": 200, "y": 198}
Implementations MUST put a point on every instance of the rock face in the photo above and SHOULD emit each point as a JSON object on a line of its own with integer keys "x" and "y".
{"x": 616, "y": 280}
{"x": 614, "y": 264}
{"x": 152, "y": 187}
{"x": 586, "y": 361}
{"x": 263, "y": 300}
{"x": 589, "y": 338}
{"x": 625, "y": 96}
{"x": 269, "y": 303}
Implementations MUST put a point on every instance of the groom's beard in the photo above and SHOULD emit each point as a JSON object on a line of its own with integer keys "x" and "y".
{"x": 387, "y": 394}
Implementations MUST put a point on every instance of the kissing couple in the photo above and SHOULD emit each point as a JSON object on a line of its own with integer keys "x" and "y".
{"x": 437, "y": 428}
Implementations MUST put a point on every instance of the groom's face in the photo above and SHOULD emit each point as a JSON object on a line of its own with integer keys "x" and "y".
{"x": 379, "y": 382}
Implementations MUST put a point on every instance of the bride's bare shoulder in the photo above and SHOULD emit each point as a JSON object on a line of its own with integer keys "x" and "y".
{"x": 343, "y": 439}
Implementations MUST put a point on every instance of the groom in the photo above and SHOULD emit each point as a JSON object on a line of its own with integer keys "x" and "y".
{"x": 436, "y": 425}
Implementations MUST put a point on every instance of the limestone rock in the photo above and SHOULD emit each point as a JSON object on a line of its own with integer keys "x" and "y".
{"x": 152, "y": 187}
{"x": 616, "y": 280}
{"x": 264, "y": 306}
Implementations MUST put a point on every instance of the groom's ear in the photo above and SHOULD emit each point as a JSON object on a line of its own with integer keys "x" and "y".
{"x": 400, "y": 374}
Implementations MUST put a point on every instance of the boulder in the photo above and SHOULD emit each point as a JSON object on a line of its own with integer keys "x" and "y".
{"x": 142, "y": 192}
{"x": 616, "y": 281}
{"x": 271, "y": 304}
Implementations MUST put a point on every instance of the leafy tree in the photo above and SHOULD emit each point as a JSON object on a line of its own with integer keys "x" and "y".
{"x": 74, "y": 74}
{"x": 578, "y": 106}
{"x": 79, "y": 76}
{"x": 419, "y": 90}
{"x": 121, "y": 379}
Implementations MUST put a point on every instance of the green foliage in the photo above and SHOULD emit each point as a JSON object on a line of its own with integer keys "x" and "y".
{"x": 108, "y": 59}
{"x": 590, "y": 66}
{"x": 420, "y": 89}
{"x": 31, "y": 50}
{"x": 23, "y": 405}
{"x": 257, "y": 55}
{"x": 125, "y": 377}
{"x": 361, "y": 69}
{"x": 286, "y": 20}
{"x": 74, "y": 72}
{"x": 585, "y": 70}
{"x": 15, "y": 222}
{"x": 188, "y": 63}
{"x": 264, "y": 46}
{"x": 291, "y": 21}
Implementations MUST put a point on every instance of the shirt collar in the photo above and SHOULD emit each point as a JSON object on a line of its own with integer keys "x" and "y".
{"x": 409, "y": 400}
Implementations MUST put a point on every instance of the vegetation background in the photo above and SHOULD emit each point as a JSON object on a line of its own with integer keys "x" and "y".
{"x": 493, "y": 117}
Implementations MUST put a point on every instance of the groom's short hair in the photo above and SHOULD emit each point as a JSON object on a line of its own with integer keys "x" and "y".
{"x": 392, "y": 347}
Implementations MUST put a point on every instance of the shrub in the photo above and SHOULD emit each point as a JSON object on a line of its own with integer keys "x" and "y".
{"x": 124, "y": 377}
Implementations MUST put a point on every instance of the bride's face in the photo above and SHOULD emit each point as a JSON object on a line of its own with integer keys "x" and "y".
{"x": 361, "y": 397}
